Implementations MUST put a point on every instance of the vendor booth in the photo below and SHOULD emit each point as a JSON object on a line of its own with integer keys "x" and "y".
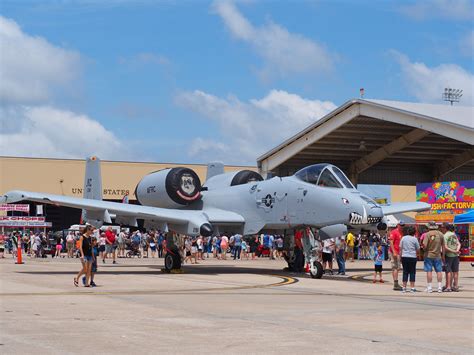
{"x": 465, "y": 222}
{"x": 451, "y": 202}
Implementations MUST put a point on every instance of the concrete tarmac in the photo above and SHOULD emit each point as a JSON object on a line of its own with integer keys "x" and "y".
{"x": 225, "y": 307}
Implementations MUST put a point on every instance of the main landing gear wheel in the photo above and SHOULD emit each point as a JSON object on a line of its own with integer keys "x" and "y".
{"x": 172, "y": 261}
{"x": 316, "y": 271}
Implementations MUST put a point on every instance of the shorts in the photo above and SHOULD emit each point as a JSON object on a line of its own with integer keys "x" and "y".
{"x": 70, "y": 245}
{"x": 378, "y": 268}
{"x": 94, "y": 266}
{"x": 431, "y": 263}
{"x": 88, "y": 259}
{"x": 395, "y": 261}
{"x": 109, "y": 248}
{"x": 188, "y": 253}
{"x": 101, "y": 248}
{"x": 452, "y": 264}
{"x": 327, "y": 257}
{"x": 59, "y": 247}
{"x": 349, "y": 249}
{"x": 280, "y": 249}
{"x": 153, "y": 247}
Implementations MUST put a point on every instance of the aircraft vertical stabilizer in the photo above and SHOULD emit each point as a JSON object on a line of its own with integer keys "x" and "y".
{"x": 93, "y": 179}
{"x": 214, "y": 168}
{"x": 93, "y": 191}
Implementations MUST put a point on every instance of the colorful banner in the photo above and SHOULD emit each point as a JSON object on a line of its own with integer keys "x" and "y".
{"x": 447, "y": 199}
{"x": 13, "y": 207}
{"x": 13, "y": 221}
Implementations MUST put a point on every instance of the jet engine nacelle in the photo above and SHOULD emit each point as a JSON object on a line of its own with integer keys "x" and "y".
{"x": 169, "y": 188}
{"x": 232, "y": 179}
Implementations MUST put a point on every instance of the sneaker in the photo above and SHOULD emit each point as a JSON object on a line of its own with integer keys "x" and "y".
{"x": 440, "y": 289}
{"x": 93, "y": 284}
{"x": 447, "y": 290}
{"x": 429, "y": 290}
{"x": 397, "y": 288}
{"x": 103, "y": 261}
{"x": 404, "y": 290}
{"x": 413, "y": 290}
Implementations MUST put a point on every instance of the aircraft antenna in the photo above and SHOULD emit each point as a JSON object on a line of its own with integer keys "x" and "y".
{"x": 452, "y": 95}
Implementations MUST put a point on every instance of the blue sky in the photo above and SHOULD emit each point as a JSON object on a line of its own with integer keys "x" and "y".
{"x": 193, "y": 81}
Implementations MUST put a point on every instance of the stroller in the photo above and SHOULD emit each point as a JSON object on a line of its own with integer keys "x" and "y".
{"x": 133, "y": 250}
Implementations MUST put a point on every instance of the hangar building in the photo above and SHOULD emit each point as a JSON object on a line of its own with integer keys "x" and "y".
{"x": 383, "y": 142}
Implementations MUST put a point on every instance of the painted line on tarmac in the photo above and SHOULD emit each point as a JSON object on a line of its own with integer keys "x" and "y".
{"x": 285, "y": 281}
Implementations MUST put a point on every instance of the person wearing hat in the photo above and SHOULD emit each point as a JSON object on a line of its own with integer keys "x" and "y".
{"x": 433, "y": 245}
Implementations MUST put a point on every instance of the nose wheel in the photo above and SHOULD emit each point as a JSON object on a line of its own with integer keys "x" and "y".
{"x": 316, "y": 270}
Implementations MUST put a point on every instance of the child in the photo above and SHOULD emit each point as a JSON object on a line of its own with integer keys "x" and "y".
{"x": 378, "y": 262}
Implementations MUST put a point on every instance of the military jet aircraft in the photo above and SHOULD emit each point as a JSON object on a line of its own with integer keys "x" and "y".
{"x": 319, "y": 196}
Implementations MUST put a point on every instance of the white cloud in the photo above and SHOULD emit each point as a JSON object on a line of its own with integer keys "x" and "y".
{"x": 250, "y": 128}
{"x": 44, "y": 131}
{"x": 467, "y": 44}
{"x": 444, "y": 9}
{"x": 427, "y": 83}
{"x": 283, "y": 52}
{"x": 31, "y": 67}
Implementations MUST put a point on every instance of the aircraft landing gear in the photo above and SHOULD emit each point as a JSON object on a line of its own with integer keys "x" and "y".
{"x": 173, "y": 256}
{"x": 312, "y": 247}
{"x": 316, "y": 270}
{"x": 172, "y": 260}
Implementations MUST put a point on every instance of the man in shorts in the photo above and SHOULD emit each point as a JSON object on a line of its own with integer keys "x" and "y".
{"x": 394, "y": 253}
{"x": 433, "y": 245}
{"x": 451, "y": 253}
{"x": 110, "y": 243}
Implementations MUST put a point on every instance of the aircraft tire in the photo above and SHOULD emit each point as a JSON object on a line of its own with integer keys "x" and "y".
{"x": 318, "y": 273}
{"x": 172, "y": 261}
{"x": 169, "y": 262}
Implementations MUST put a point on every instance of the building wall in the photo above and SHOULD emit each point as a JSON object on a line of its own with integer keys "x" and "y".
{"x": 66, "y": 176}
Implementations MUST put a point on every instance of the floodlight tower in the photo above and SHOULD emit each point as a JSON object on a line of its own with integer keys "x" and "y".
{"x": 452, "y": 95}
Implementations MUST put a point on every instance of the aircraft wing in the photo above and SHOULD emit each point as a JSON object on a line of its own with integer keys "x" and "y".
{"x": 401, "y": 207}
{"x": 191, "y": 222}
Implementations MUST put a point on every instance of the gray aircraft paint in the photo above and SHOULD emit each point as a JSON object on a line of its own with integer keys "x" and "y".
{"x": 277, "y": 203}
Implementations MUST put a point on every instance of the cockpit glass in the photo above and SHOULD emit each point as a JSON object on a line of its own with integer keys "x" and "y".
{"x": 343, "y": 178}
{"x": 311, "y": 173}
{"x": 327, "y": 179}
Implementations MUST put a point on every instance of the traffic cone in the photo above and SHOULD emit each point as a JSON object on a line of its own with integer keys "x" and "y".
{"x": 306, "y": 269}
{"x": 19, "y": 259}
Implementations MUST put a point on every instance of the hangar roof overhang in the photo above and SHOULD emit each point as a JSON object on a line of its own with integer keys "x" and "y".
{"x": 383, "y": 142}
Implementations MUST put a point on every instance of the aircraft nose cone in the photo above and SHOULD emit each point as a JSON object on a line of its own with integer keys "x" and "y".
{"x": 206, "y": 230}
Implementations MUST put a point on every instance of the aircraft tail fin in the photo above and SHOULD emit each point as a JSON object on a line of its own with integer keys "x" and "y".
{"x": 214, "y": 168}
{"x": 93, "y": 179}
{"x": 92, "y": 189}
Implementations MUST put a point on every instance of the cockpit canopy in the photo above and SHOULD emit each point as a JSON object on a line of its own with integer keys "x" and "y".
{"x": 325, "y": 175}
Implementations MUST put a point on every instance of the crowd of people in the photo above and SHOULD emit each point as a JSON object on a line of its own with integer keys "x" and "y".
{"x": 438, "y": 247}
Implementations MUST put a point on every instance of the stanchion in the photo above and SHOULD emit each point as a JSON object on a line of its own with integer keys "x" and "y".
{"x": 18, "y": 253}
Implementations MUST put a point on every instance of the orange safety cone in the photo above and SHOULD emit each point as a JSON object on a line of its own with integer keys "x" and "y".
{"x": 306, "y": 269}
{"x": 19, "y": 259}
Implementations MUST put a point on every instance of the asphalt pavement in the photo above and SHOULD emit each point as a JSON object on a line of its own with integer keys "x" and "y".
{"x": 225, "y": 307}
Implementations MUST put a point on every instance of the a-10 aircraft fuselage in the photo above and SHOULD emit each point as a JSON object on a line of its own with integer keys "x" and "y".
{"x": 287, "y": 202}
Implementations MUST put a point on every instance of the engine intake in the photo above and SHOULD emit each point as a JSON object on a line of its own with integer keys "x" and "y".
{"x": 169, "y": 188}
